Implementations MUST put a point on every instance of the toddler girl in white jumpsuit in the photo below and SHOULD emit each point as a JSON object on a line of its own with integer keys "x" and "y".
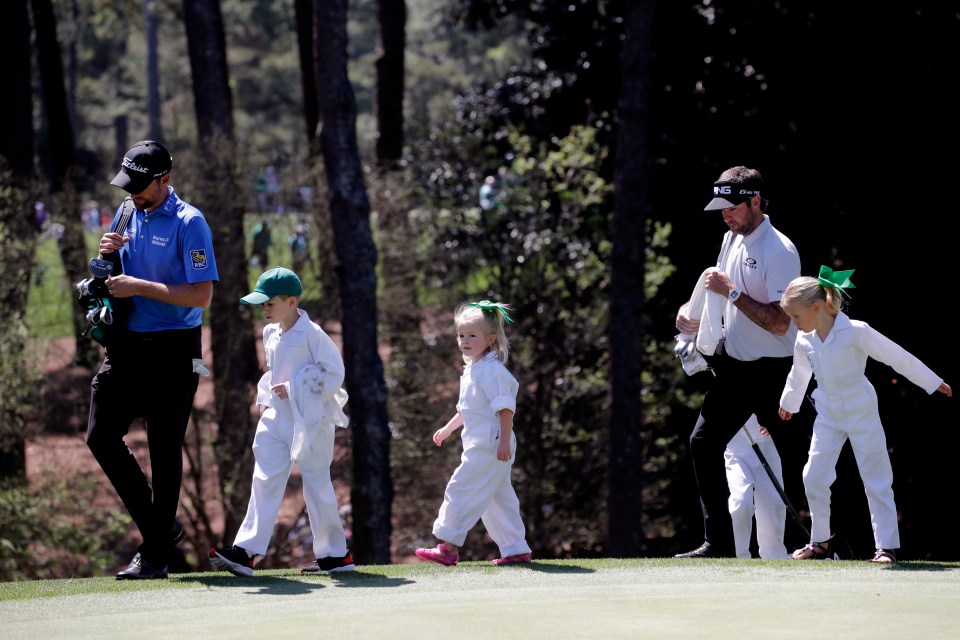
{"x": 480, "y": 487}
{"x": 835, "y": 349}
{"x": 301, "y": 404}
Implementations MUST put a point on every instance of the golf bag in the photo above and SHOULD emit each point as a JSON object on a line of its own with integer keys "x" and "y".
{"x": 106, "y": 315}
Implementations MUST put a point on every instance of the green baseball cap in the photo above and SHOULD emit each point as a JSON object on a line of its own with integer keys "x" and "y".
{"x": 275, "y": 282}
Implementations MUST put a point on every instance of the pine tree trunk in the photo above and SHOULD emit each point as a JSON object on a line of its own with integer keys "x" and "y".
{"x": 372, "y": 491}
{"x": 627, "y": 302}
{"x": 17, "y": 236}
{"x": 235, "y": 369}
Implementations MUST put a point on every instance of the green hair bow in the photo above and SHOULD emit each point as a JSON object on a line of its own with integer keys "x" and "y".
{"x": 836, "y": 279}
{"x": 490, "y": 307}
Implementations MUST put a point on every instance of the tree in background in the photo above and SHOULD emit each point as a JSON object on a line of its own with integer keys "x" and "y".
{"x": 628, "y": 314}
{"x": 17, "y": 237}
{"x": 372, "y": 490}
{"x": 320, "y": 212}
{"x": 235, "y": 366}
{"x": 392, "y": 18}
{"x": 60, "y": 157}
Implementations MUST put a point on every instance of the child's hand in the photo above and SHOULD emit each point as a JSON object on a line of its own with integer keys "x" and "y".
{"x": 503, "y": 450}
{"x": 764, "y": 431}
{"x": 945, "y": 389}
{"x": 784, "y": 414}
{"x": 280, "y": 390}
{"x": 440, "y": 435}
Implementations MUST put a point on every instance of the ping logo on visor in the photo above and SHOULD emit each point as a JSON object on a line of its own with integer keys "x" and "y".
{"x": 727, "y": 195}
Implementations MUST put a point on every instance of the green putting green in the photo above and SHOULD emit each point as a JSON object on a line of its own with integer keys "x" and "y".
{"x": 548, "y": 599}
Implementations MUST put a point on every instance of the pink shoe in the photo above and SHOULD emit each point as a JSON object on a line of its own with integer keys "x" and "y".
{"x": 520, "y": 558}
{"x": 438, "y": 554}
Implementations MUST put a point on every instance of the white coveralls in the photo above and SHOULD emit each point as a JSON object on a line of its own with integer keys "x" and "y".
{"x": 750, "y": 483}
{"x": 847, "y": 408}
{"x": 480, "y": 487}
{"x": 297, "y": 429}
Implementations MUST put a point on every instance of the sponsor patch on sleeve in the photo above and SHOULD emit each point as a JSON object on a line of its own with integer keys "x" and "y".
{"x": 199, "y": 257}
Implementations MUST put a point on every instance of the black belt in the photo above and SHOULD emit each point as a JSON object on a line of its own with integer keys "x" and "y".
{"x": 168, "y": 335}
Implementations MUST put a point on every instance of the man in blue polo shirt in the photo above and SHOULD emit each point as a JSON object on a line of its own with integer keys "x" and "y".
{"x": 151, "y": 366}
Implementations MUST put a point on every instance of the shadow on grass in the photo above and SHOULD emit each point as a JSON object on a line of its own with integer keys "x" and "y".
{"x": 914, "y": 565}
{"x": 544, "y": 567}
{"x": 363, "y": 579}
{"x": 271, "y": 585}
{"x": 283, "y": 585}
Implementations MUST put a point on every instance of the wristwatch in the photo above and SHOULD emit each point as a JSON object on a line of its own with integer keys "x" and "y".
{"x": 734, "y": 295}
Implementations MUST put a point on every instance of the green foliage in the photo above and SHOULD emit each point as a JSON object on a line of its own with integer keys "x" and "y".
{"x": 52, "y": 298}
{"x": 54, "y": 530}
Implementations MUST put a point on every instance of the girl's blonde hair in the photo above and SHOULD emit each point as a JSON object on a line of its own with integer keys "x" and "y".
{"x": 807, "y": 290}
{"x": 495, "y": 315}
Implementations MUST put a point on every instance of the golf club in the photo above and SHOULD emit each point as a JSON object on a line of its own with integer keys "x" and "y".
{"x": 786, "y": 501}
{"x": 776, "y": 483}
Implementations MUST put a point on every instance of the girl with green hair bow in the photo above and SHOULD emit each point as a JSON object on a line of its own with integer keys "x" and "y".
{"x": 834, "y": 349}
{"x": 480, "y": 488}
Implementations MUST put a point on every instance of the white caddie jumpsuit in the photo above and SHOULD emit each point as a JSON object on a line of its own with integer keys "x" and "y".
{"x": 847, "y": 407}
{"x": 752, "y": 492}
{"x": 480, "y": 487}
{"x": 297, "y": 429}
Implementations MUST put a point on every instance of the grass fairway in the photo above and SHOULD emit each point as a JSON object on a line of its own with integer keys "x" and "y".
{"x": 649, "y": 598}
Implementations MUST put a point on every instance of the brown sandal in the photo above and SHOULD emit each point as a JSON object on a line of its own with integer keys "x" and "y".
{"x": 884, "y": 556}
{"x": 813, "y": 551}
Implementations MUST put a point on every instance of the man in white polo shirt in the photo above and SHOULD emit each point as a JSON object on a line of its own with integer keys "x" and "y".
{"x": 755, "y": 264}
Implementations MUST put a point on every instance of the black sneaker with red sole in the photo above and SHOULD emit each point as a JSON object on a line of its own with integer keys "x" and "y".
{"x": 331, "y": 564}
{"x": 236, "y": 560}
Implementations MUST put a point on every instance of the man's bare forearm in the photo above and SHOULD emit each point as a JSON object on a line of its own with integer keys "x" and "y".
{"x": 768, "y": 315}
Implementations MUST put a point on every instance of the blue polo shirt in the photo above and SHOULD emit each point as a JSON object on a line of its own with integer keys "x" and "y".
{"x": 172, "y": 245}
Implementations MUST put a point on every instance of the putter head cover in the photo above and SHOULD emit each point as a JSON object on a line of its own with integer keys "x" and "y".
{"x": 690, "y": 358}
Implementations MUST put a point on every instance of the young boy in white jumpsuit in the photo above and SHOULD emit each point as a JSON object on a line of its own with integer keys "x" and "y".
{"x": 301, "y": 404}
{"x": 834, "y": 349}
{"x": 480, "y": 487}
{"x": 752, "y": 492}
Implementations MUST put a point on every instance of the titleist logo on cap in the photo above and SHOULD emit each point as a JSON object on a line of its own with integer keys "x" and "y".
{"x": 130, "y": 165}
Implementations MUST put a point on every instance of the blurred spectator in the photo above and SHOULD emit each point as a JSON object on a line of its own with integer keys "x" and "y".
{"x": 261, "y": 244}
{"x": 488, "y": 193}
{"x": 40, "y": 216}
{"x": 303, "y": 226}
{"x": 91, "y": 215}
{"x": 299, "y": 252}
{"x": 306, "y": 197}
{"x": 272, "y": 180}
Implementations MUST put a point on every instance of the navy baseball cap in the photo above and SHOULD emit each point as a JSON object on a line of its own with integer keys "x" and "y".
{"x": 275, "y": 282}
{"x": 727, "y": 195}
{"x": 143, "y": 163}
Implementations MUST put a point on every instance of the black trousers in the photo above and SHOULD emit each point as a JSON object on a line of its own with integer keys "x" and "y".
{"x": 150, "y": 376}
{"x": 739, "y": 389}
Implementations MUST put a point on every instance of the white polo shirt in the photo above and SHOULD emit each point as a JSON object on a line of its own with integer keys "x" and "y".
{"x": 486, "y": 387}
{"x": 760, "y": 265}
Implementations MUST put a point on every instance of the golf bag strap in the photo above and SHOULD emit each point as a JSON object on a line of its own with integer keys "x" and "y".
{"x": 124, "y": 220}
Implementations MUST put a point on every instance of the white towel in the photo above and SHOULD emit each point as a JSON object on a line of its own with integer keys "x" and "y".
{"x": 708, "y": 306}
{"x": 310, "y": 409}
